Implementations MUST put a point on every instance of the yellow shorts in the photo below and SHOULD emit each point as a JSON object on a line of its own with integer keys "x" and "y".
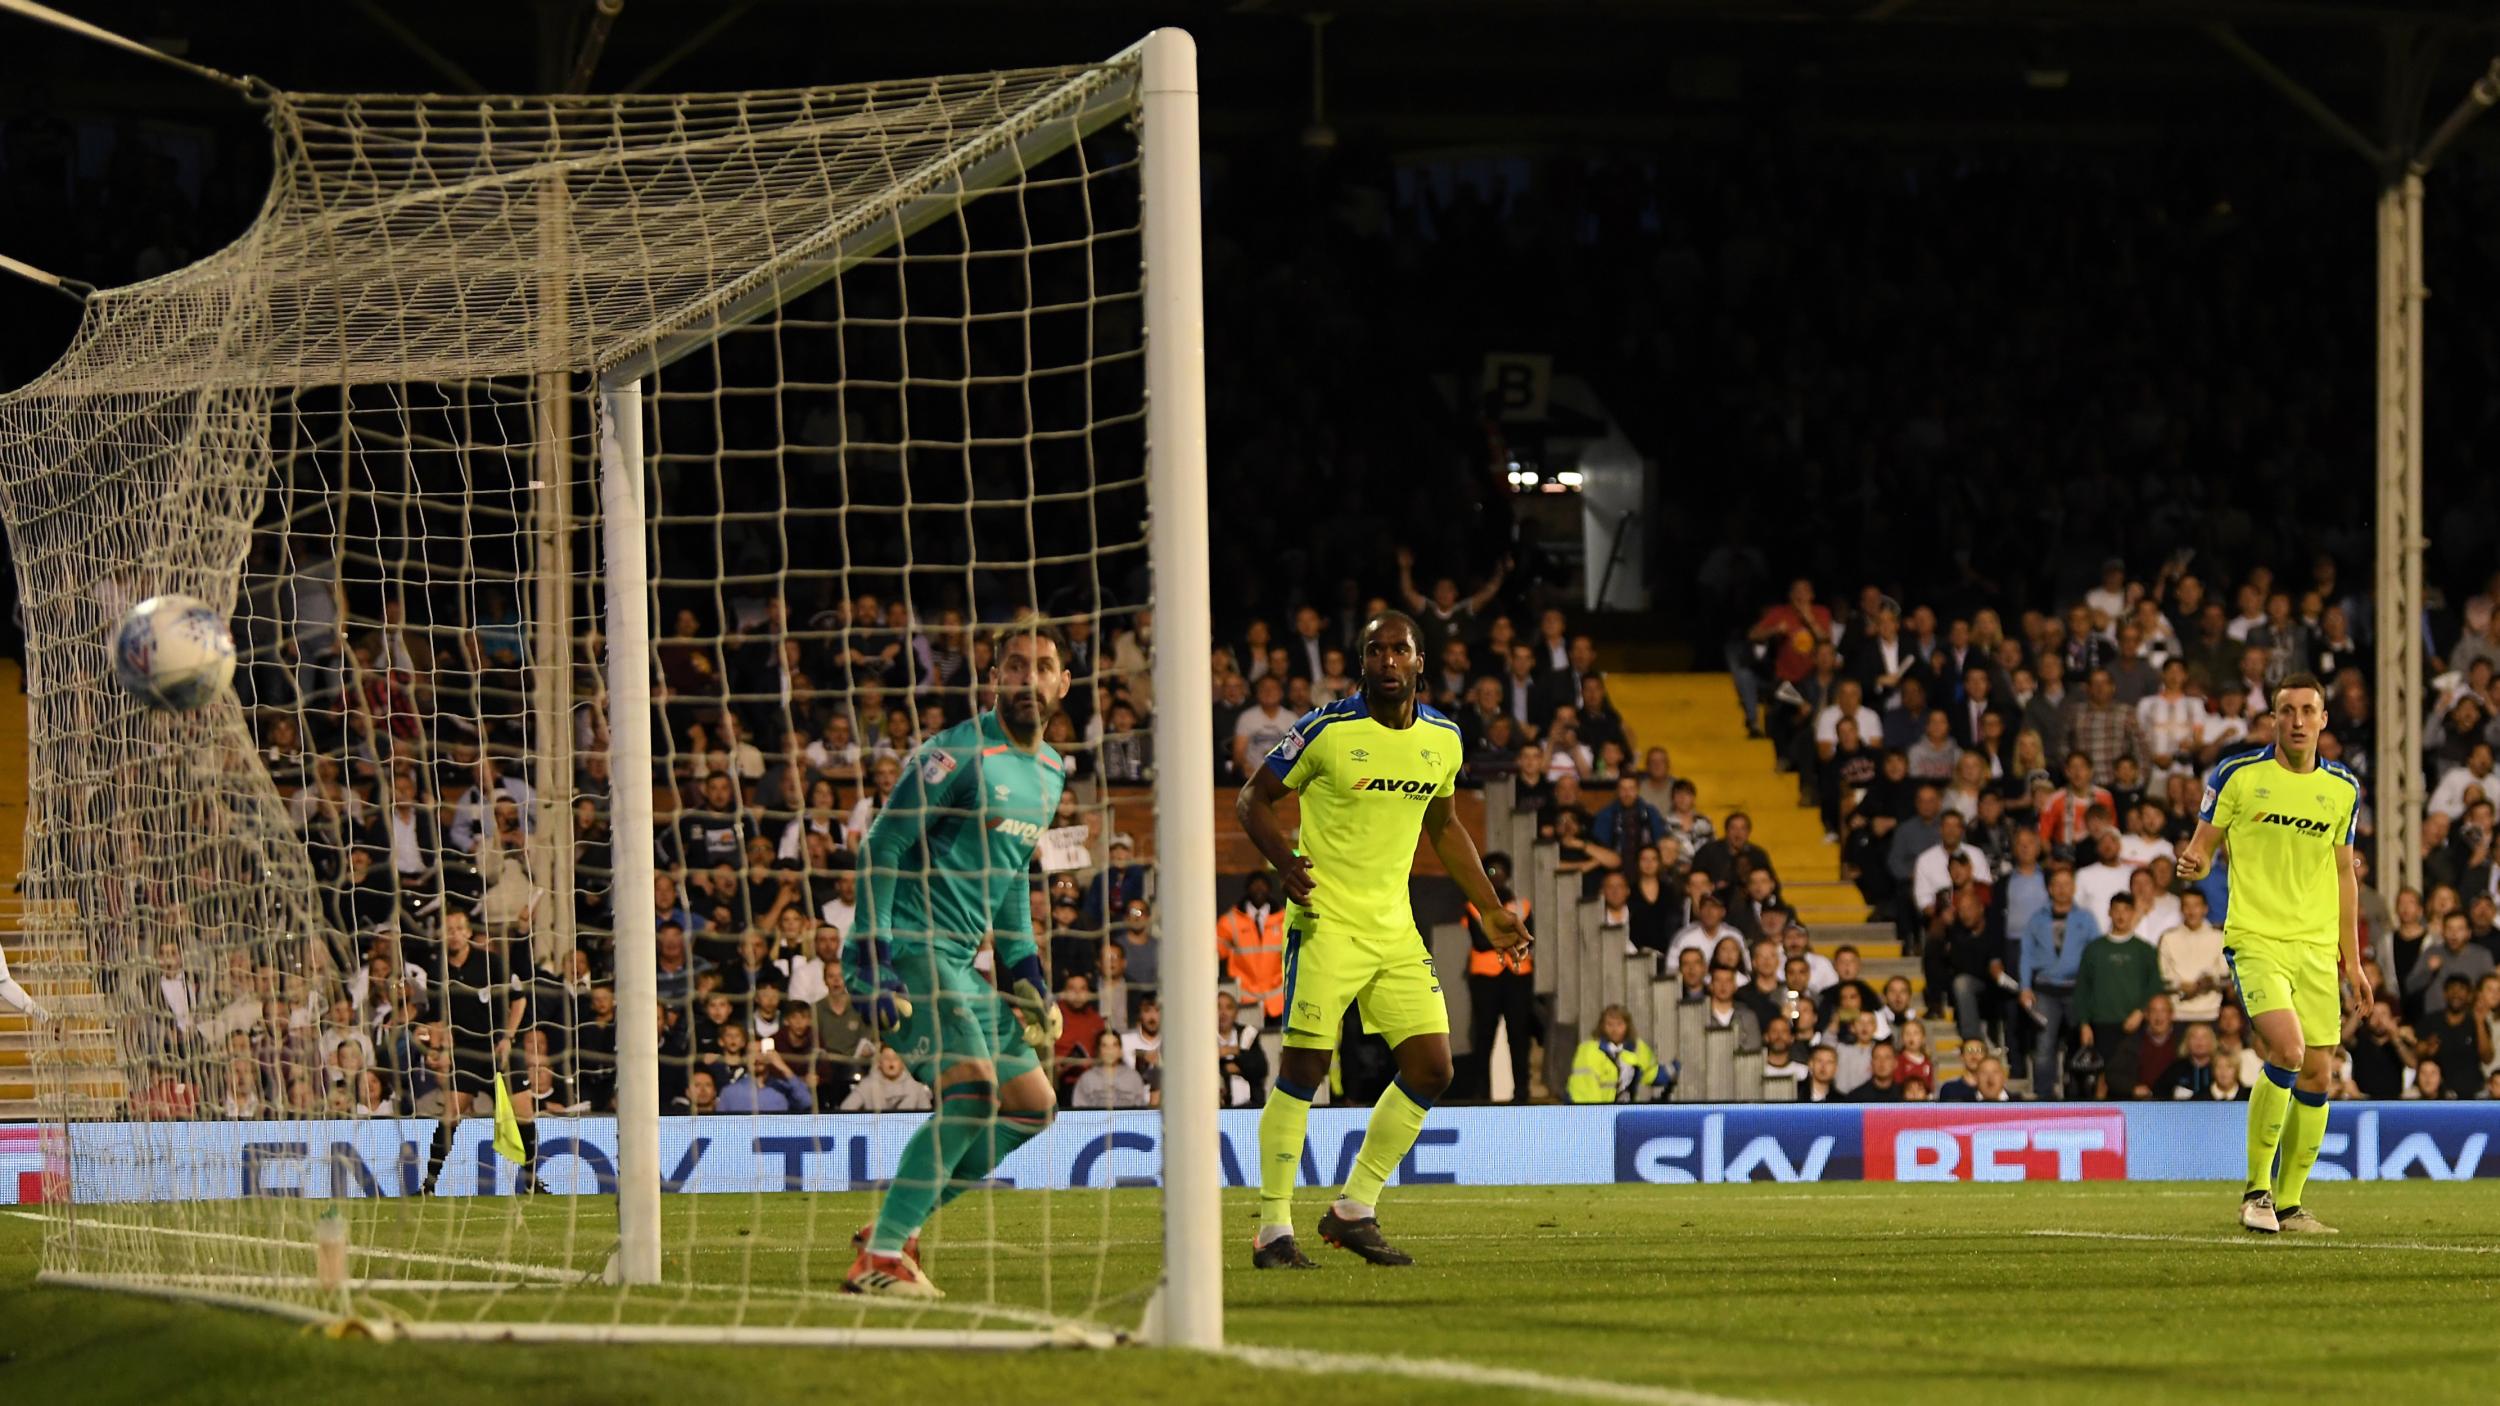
{"x": 2299, "y": 977}
{"x": 1390, "y": 975}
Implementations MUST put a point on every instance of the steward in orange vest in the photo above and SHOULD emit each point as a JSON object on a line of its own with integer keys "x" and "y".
{"x": 1250, "y": 936}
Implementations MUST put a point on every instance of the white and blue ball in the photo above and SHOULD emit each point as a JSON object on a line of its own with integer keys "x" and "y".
{"x": 173, "y": 652}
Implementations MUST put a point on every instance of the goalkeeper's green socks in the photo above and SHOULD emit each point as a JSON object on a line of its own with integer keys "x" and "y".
{"x": 1281, "y": 1126}
{"x": 1396, "y": 1119}
{"x": 1009, "y": 1131}
{"x": 964, "y": 1114}
{"x": 2268, "y": 1101}
{"x": 2300, "y": 1147}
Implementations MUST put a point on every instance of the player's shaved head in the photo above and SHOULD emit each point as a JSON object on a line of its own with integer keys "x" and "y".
{"x": 1385, "y": 619}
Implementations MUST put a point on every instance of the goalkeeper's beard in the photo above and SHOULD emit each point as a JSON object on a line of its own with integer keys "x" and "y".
{"x": 1014, "y": 710}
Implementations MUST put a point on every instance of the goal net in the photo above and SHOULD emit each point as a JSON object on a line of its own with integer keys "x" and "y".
{"x": 609, "y": 494}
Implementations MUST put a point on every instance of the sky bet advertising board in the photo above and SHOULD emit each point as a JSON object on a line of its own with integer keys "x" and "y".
{"x": 1690, "y": 1144}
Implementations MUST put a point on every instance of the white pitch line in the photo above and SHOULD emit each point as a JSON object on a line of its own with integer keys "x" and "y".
{"x": 1477, "y": 1374}
{"x": 362, "y": 1286}
{"x": 2319, "y": 1242}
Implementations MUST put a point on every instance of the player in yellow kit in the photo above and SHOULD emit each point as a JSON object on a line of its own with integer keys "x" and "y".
{"x": 1373, "y": 770}
{"x": 2288, "y": 817}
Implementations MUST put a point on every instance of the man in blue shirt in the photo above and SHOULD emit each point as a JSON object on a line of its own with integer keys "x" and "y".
{"x": 2053, "y": 943}
{"x": 1630, "y": 823}
{"x": 2025, "y": 888}
{"x": 1120, "y": 883}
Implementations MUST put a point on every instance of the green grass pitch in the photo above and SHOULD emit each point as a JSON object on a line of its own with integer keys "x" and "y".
{"x": 2141, "y": 1293}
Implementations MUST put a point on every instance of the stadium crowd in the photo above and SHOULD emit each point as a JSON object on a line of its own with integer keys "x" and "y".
{"x": 2009, "y": 801}
{"x": 2011, "y": 795}
{"x": 2003, "y": 762}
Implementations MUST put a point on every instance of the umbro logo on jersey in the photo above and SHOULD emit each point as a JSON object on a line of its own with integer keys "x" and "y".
{"x": 2305, "y": 826}
{"x": 1393, "y": 784}
{"x": 1360, "y": 755}
{"x": 999, "y": 790}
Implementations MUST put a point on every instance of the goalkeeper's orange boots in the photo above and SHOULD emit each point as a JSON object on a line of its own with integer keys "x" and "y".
{"x": 889, "y": 1276}
{"x": 859, "y": 1242}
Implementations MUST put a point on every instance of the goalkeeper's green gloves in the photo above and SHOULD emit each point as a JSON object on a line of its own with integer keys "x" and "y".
{"x": 1028, "y": 991}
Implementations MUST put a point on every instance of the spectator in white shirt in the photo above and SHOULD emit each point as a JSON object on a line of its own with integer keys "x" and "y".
{"x": 1930, "y": 873}
{"x": 2146, "y": 844}
{"x": 2161, "y": 642}
{"x": 1796, "y": 944}
{"x": 884, "y": 772}
{"x": 2156, "y": 911}
{"x": 383, "y": 967}
{"x": 842, "y": 910}
{"x": 889, "y": 1088}
{"x": 1112, "y": 1082}
{"x": 2173, "y": 721}
{"x": 2192, "y": 965}
{"x": 813, "y": 977}
{"x": 1847, "y": 702}
{"x": 2252, "y": 614}
{"x": 1702, "y": 934}
{"x": 1614, "y": 911}
{"x": 2108, "y": 600}
{"x": 2449, "y": 797}
{"x": 835, "y": 749}
{"x": 477, "y": 804}
{"x": 1261, "y": 726}
{"x": 1142, "y": 1047}
{"x": 2102, "y": 880}
{"x": 1778, "y": 1061}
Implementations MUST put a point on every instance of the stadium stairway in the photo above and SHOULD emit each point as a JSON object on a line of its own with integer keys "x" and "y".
{"x": 42, "y": 956}
{"x": 1696, "y": 718}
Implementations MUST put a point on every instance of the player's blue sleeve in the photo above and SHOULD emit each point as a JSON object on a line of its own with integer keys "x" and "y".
{"x": 1287, "y": 759}
{"x": 2352, "y": 818}
{"x": 2215, "y": 809}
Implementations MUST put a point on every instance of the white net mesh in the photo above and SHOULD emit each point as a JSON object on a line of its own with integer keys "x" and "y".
{"x": 892, "y": 347}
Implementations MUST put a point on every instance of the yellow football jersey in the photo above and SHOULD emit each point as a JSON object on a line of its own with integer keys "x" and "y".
{"x": 1364, "y": 788}
{"x": 2285, "y": 828}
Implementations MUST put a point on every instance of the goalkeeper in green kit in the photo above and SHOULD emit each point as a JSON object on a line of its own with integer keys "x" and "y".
{"x": 946, "y": 865}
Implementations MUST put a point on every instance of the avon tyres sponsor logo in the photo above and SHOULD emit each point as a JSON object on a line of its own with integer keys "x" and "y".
{"x": 1024, "y": 830}
{"x": 2301, "y": 823}
{"x": 1995, "y": 1144}
{"x": 1775, "y": 1144}
{"x": 1393, "y": 785}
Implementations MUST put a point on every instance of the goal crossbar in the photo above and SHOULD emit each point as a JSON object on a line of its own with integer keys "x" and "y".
{"x": 918, "y": 201}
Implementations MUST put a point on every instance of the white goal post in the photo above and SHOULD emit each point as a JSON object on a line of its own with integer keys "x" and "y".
{"x": 817, "y": 340}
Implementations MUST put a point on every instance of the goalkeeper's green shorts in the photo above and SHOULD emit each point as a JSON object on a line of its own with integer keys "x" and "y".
{"x": 956, "y": 1014}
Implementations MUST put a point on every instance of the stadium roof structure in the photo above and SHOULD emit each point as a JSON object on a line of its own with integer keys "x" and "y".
{"x": 1403, "y": 72}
